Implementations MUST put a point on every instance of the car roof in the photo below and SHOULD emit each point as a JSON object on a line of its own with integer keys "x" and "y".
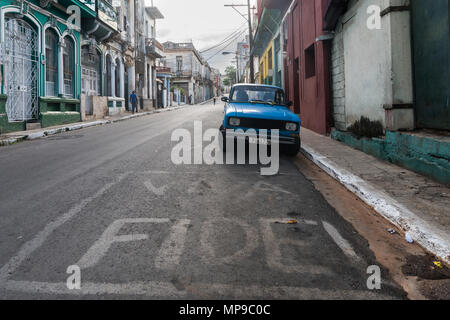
{"x": 255, "y": 85}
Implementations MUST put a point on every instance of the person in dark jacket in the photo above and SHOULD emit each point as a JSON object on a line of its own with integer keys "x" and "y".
{"x": 134, "y": 102}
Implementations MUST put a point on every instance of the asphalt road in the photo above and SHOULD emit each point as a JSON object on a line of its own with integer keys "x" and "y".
{"x": 110, "y": 201}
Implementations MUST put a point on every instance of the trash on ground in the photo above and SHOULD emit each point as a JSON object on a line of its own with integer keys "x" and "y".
{"x": 287, "y": 222}
{"x": 408, "y": 238}
{"x": 438, "y": 264}
{"x": 391, "y": 231}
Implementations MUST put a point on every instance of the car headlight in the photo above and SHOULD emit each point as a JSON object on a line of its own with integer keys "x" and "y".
{"x": 235, "y": 122}
{"x": 291, "y": 126}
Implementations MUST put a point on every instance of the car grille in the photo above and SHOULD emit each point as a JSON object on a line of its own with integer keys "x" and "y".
{"x": 262, "y": 124}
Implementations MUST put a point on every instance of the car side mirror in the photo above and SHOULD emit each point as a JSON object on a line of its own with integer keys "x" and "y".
{"x": 289, "y": 104}
{"x": 225, "y": 99}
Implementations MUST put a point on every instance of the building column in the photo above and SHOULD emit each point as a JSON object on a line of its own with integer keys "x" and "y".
{"x": 122, "y": 80}
{"x": 61, "y": 67}
{"x": 169, "y": 104}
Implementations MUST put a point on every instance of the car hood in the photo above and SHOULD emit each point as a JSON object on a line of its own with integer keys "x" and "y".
{"x": 261, "y": 111}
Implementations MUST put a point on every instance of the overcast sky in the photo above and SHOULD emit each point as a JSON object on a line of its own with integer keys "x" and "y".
{"x": 205, "y": 22}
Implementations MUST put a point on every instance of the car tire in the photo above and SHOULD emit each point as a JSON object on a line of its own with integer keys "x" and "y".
{"x": 223, "y": 140}
{"x": 293, "y": 150}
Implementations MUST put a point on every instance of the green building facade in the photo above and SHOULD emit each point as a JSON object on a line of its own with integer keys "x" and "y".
{"x": 41, "y": 45}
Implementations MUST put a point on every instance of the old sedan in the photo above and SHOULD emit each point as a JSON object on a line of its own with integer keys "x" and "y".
{"x": 261, "y": 107}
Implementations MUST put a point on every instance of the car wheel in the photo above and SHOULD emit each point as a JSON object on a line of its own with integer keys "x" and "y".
{"x": 294, "y": 149}
{"x": 223, "y": 140}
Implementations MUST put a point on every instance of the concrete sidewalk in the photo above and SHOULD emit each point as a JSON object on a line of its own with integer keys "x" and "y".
{"x": 414, "y": 203}
{"x": 18, "y": 136}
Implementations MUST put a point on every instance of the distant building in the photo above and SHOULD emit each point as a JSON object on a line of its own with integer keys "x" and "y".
{"x": 191, "y": 72}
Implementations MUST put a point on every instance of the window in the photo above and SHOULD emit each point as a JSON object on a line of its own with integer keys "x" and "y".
{"x": 258, "y": 94}
{"x": 117, "y": 78}
{"x": 51, "y": 65}
{"x": 69, "y": 66}
{"x": 109, "y": 92}
{"x": 179, "y": 63}
{"x": 310, "y": 62}
{"x": 90, "y": 62}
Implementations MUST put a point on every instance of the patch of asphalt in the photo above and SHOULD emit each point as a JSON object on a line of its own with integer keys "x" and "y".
{"x": 61, "y": 129}
{"x": 231, "y": 211}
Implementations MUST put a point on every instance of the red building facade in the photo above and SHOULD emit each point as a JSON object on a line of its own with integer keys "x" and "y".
{"x": 307, "y": 73}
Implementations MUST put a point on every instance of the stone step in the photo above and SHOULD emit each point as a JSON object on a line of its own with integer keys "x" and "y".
{"x": 33, "y": 126}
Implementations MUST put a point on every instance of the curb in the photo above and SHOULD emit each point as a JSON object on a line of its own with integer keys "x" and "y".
{"x": 430, "y": 238}
{"x": 50, "y": 132}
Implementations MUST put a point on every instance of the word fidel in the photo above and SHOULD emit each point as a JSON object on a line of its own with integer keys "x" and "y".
{"x": 212, "y": 153}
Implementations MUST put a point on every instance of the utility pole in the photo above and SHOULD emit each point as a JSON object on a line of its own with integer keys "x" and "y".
{"x": 237, "y": 69}
{"x": 252, "y": 66}
{"x": 249, "y": 20}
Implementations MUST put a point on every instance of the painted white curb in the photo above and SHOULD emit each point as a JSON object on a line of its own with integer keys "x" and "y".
{"x": 435, "y": 240}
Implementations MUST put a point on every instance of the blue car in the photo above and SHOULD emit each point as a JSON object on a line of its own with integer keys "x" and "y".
{"x": 258, "y": 107}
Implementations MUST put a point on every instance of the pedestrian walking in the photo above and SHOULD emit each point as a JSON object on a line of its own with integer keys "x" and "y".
{"x": 214, "y": 100}
{"x": 134, "y": 102}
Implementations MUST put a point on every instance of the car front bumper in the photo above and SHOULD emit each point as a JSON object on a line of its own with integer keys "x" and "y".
{"x": 256, "y": 138}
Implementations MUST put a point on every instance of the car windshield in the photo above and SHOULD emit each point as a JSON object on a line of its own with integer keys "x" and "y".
{"x": 258, "y": 94}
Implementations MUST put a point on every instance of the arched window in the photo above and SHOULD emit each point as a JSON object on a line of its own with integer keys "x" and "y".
{"x": 51, "y": 64}
{"x": 69, "y": 66}
{"x": 91, "y": 71}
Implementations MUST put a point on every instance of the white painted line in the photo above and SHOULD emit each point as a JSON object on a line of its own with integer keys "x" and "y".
{"x": 109, "y": 236}
{"x": 172, "y": 248}
{"x": 340, "y": 241}
{"x": 150, "y": 289}
{"x": 157, "y": 191}
{"x": 195, "y": 290}
{"x": 273, "y": 251}
{"x": 29, "y": 247}
{"x": 430, "y": 237}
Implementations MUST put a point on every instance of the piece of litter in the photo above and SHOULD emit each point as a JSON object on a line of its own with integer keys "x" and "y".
{"x": 438, "y": 264}
{"x": 287, "y": 222}
{"x": 391, "y": 231}
{"x": 408, "y": 238}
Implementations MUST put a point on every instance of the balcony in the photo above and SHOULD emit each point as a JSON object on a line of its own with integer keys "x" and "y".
{"x": 183, "y": 74}
{"x": 153, "y": 48}
{"x": 103, "y": 24}
{"x": 107, "y": 14}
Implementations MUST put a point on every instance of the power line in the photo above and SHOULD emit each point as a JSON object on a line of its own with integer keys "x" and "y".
{"x": 227, "y": 44}
{"x": 224, "y": 40}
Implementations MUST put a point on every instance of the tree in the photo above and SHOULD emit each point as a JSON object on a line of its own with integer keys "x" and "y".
{"x": 230, "y": 76}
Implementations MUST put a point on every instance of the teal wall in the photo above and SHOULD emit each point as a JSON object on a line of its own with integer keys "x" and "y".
{"x": 424, "y": 155}
{"x": 40, "y": 21}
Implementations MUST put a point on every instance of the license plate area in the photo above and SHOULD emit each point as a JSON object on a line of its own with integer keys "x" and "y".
{"x": 260, "y": 141}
